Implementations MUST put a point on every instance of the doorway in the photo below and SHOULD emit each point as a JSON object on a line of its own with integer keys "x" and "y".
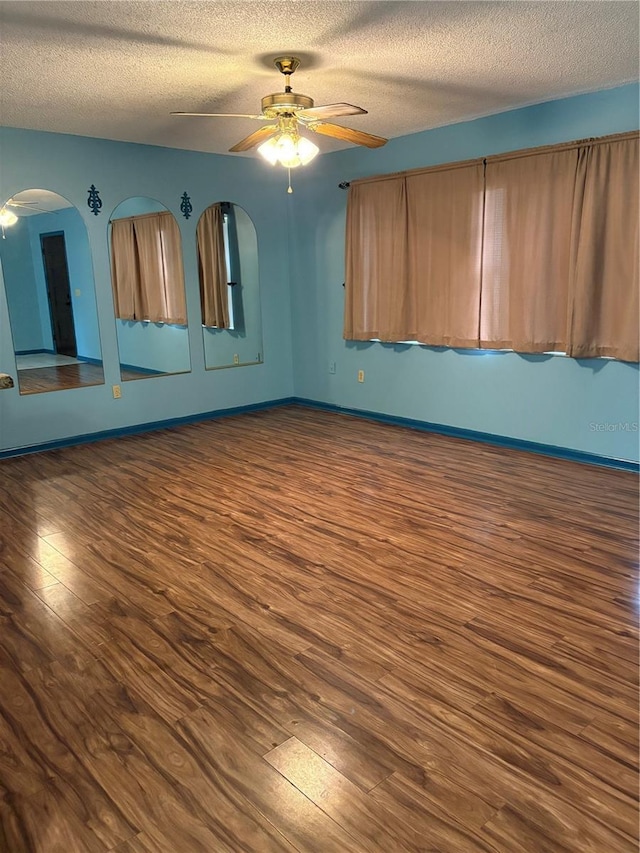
{"x": 56, "y": 273}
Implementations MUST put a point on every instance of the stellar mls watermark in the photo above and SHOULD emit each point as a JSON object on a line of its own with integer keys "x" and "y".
{"x": 614, "y": 426}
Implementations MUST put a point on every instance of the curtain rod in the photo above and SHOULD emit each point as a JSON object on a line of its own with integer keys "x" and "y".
{"x": 496, "y": 158}
{"x": 141, "y": 216}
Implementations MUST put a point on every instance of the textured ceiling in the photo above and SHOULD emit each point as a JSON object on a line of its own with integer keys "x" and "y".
{"x": 116, "y": 69}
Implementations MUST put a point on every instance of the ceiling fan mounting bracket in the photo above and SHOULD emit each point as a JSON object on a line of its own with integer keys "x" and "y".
{"x": 286, "y": 64}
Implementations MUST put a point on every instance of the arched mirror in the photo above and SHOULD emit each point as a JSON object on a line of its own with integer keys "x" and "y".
{"x": 48, "y": 279}
{"x": 227, "y": 248}
{"x": 147, "y": 278}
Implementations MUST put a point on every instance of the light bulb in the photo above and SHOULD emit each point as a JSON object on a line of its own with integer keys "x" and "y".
{"x": 7, "y": 218}
{"x": 307, "y": 150}
{"x": 269, "y": 150}
{"x": 289, "y": 150}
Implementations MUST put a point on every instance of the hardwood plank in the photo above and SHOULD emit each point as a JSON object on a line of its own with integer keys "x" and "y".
{"x": 284, "y": 806}
{"x": 448, "y": 815}
{"x": 614, "y": 736}
{"x": 56, "y": 731}
{"x": 45, "y": 821}
{"x": 532, "y": 827}
{"x": 440, "y": 797}
{"x": 351, "y": 758}
{"x": 217, "y": 776}
{"x": 31, "y": 574}
{"x": 373, "y": 826}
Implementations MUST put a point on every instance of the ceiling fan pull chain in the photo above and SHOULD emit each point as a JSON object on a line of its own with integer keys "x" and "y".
{"x": 290, "y": 189}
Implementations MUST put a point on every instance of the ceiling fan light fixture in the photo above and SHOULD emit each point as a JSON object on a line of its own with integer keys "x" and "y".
{"x": 289, "y": 149}
{"x": 7, "y": 218}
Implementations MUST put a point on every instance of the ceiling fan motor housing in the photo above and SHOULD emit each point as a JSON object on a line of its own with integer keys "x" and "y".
{"x": 283, "y": 103}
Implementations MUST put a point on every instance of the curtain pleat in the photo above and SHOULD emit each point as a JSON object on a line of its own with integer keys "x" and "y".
{"x": 146, "y": 269}
{"x": 212, "y": 268}
{"x": 378, "y": 303}
{"x": 175, "y": 305}
{"x": 445, "y": 212}
{"x": 603, "y": 307}
{"x": 152, "y": 270}
{"x": 526, "y": 252}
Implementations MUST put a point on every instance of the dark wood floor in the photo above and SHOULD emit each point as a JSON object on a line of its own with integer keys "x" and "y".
{"x": 59, "y": 377}
{"x": 293, "y": 630}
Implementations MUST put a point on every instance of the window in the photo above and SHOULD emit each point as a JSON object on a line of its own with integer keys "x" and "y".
{"x": 534, "y": 251}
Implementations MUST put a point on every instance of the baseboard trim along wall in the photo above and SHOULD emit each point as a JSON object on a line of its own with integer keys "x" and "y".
{"x": 485, "y": 437}
{"x": 425, "y": 426}
{"x": 139, "y": 428}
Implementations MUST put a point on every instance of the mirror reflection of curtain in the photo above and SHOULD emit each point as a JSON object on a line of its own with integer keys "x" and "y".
{"x": 212, "y": 268}
{"x": 147, "y": 273}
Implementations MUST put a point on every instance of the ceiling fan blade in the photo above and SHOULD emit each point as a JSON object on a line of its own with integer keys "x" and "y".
{"x": 27, "y": 207}
{"x": 254, "y": 138}
{"x": 219, "y": 115}
{"x": 331, "y": 111}
{"x": 348, "y": 134}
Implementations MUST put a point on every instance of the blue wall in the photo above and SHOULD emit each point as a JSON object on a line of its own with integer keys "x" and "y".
{"x": 29, "y": 330}
{"x": 154, "y": 347}
{"x": 69, "y": 165}
{"x": 552, "y": 400}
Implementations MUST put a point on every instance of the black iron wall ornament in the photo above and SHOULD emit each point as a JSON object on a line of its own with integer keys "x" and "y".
{"x": 94, "y": 201}
{"x": 185, "y": 205}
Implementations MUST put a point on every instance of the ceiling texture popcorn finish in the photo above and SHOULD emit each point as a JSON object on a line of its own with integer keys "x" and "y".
{"x": 116, "y": 70}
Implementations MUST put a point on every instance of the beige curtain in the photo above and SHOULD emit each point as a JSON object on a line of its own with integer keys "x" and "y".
{"x": 125, "y": 269}
{"x": 147, "y": 272}
{"x": 377, "y": 301}
{"x": 603, "y": 307}
{"x": 175, "y": 306}
{"x": 445, "y": 210}
{"x": 527, "y": 251}
{"x": 212, "y": 268}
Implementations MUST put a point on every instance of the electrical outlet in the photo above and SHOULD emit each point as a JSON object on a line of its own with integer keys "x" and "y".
{"x": 117, "y": 392}
{"x": 361, "y": 376}
{"x": 236, "y": 358}
{"x": 332, "y": 367}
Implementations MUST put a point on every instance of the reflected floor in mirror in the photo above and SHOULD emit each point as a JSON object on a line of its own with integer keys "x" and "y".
{"x": 38, "y": 380}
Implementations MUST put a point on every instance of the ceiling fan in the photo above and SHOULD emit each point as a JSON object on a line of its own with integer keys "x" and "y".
{"x": 25, "y": 206}
{"x": 287, "y": 113}
{"x": 12, "y": 209}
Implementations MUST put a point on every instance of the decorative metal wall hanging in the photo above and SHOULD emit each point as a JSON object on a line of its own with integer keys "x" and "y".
{"x": 185, "y": 205}
{"x": 94, "y": 201}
